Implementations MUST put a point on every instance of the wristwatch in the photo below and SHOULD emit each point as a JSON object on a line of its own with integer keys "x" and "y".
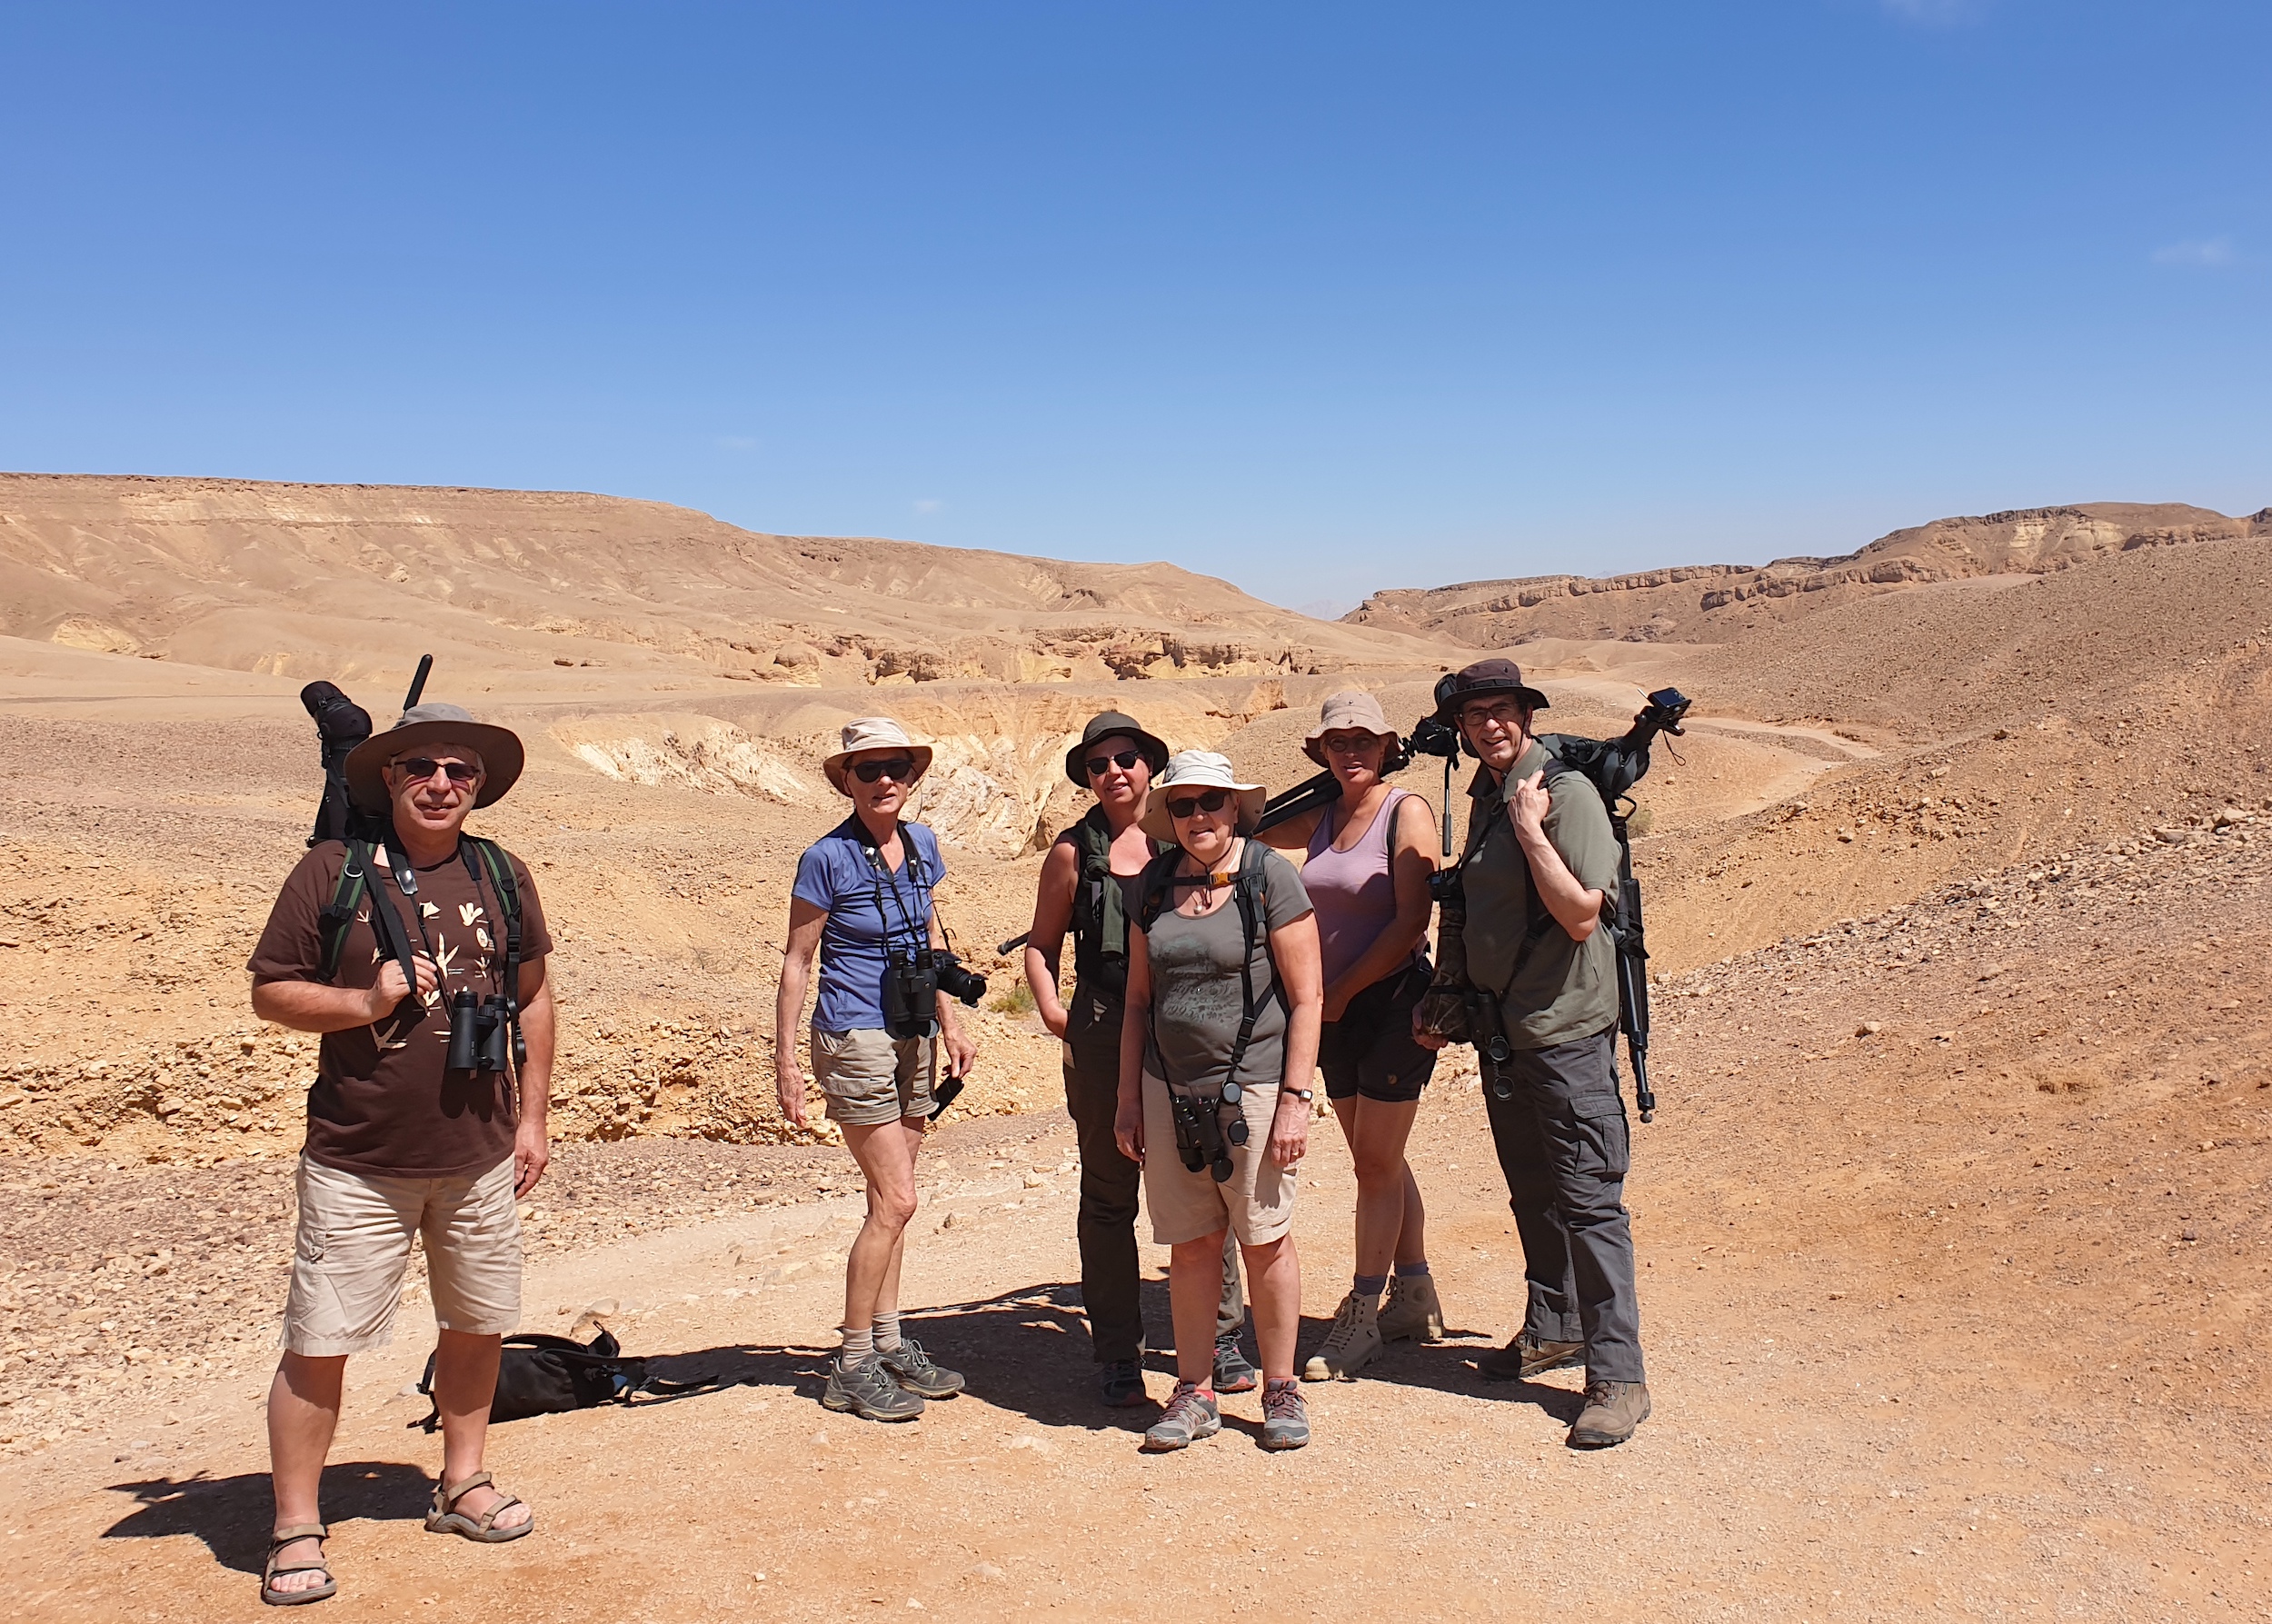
{"x": 1304, "y": 1095}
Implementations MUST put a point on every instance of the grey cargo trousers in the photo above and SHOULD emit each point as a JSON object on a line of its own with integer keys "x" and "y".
{"x": 1106, "y": 1226}
{"x": 1564, "y": 1148}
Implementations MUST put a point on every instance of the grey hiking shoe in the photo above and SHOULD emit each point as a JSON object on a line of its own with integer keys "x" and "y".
{"x": 1233, "y": 1374}
{"x": 1410, "y": 1310}
{"x": 1191, "y": 1416}
{"x": 1613, "y": 1409}
{"x": 1121, "y": 1384}
{"x": 869, "y": 1391}
{"x": 1285, "y": 1418}
{"x": 1522, "y": 1359}
{"x": 911, "y": 1368}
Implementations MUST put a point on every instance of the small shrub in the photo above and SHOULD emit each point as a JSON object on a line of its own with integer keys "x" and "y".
{"x": 1016, "y": 999}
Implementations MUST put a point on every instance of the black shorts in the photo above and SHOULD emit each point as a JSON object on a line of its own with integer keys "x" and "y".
{"x": 1369, "y": 1050}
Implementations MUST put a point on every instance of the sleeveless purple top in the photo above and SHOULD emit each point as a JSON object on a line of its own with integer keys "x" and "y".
{"x": 1352, "y": 890}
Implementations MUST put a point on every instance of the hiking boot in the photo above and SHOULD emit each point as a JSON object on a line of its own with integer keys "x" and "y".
{"x": 1233, "y": 1374}
{"x": 868, "y": 1391}
{"x": 1411, "y": 1310}
{"x": 1353, "y": 1343}
{"x": 1191, "y": 1416}
{"x": 911, "y": 1368}
{"x": 1613, "y": 1409}
{"x": 1121, "y": 1384}
{"x": 1522, "y": 1359}
{"x": 1285, "y": 1418}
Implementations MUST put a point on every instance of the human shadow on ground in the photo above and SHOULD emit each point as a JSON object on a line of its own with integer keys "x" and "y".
{"x": 1028, "y": 1351}
{"x": 235, "y": 1515}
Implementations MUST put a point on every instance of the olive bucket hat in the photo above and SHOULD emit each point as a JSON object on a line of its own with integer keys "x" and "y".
{"x": 1484, "y": 677}
{"x": 1104, "y": 725}
{"x": 499, "y": 748}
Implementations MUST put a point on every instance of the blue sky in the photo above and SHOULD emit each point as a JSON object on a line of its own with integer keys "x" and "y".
{"x": 1317, "y": 297}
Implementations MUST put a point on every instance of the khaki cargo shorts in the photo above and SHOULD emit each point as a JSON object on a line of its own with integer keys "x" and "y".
{"x": 869, "y": 1077}
{"x": 1256, "y": 1204}
{"x": 353, "y": 1246}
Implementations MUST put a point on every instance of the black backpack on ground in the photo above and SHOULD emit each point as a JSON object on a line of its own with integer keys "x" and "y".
{"x": 547, "y": 1375}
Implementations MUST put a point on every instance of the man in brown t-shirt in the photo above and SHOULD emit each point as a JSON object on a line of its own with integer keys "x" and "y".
{"x": 398, "y": 1143}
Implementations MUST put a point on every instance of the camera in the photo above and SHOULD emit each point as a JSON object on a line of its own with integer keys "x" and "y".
{"x": 1446, "y": 889}
{"x": 957, "y": 982}
{"x": 1431, "y": 737}
{"x": 478, "y": 1032}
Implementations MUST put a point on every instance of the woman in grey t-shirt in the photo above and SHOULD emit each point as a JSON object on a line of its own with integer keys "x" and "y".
{"x": 1191, "y": 972}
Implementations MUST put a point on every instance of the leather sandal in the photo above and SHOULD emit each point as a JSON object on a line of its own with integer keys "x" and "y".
{"x": 446, "y": 1519}
{"x": 270, "y": 1573}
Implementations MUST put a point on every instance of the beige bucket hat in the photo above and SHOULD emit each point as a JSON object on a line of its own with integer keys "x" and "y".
{"x": 1199, "y": 770}
{"x": 873, "y": 732}
{"x": 499, "y": 748}
{"x": 1352, "y": 707}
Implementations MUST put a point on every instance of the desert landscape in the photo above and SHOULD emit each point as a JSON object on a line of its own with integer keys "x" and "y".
{"x": 1954, "y": 1220}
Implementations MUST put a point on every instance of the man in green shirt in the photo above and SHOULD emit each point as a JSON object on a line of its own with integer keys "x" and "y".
{"x": 1540, "y": 873}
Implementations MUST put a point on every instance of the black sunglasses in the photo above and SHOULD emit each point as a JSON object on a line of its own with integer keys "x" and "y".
{"x": 896, "y": 769}
{"x": 420, "y": 768}
{"x": 1099, "y": 765}
{"x": 1211, "y": 800}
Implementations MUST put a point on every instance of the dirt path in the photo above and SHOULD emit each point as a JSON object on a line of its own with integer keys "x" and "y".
{"x": 1958, "y": 1317}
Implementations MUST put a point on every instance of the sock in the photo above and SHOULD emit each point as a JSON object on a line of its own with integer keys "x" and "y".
{"x": 887, "y": 1331}
{"x": 860, "y": 1347}
{"x": 1369, "y": 1286}
{"x": 1413, "y": 1270}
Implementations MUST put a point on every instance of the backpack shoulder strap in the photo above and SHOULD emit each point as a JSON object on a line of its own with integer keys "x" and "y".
{"x": 338, "y": 917}
{"x": 498, "y": 865}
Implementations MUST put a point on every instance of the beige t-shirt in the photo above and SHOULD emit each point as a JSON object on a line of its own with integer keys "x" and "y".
{"x": 1567, "y": 989}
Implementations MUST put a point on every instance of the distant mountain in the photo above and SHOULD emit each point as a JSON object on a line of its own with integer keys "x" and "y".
{"x": 1710, "y": 603}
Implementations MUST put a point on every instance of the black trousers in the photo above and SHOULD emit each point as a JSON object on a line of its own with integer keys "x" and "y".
{"x": 1564, "y": 1148}
{"x": 1110, "y": 1183}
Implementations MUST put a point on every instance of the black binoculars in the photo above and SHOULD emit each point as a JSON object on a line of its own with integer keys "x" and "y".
{"x": 479, "y": 1033}
{"x": 1200, "y": 1133}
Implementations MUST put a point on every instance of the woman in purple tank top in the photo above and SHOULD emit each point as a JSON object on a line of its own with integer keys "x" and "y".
{"x": 1368, "y": 857}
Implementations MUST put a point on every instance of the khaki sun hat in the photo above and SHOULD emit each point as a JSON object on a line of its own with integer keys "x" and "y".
{"x": 1199, "y": 770}
{"x": 873, "y": 732}
{"x": 498, "y": 747}
{"x": 1350, "y": 708}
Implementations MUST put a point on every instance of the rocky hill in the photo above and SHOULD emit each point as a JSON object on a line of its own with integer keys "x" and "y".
{"x": 1713, "y": 603}
{"x": 348, "y": 580}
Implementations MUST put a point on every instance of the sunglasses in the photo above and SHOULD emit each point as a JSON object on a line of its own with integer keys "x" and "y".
{"x": 1211, "y": 801}
{"x": 896, "y": 769}
{"x": 419, "y": 768}
{"x": 1099, "y": 765}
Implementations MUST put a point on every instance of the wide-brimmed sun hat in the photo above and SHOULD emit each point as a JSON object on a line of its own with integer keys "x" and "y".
{"x": 1197, "y": 770}
{"x": 1484, "y": 677}
{"x": 1103, "y": 726}
{"x": 1351, "y": 708}
{"x": 873, "y": 732}
{"x": 498, "y": 747}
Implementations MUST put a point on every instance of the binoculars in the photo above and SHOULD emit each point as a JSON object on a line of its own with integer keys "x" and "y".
{"x": 479, "y": 1033}
{"x": 1202, "y": 1137}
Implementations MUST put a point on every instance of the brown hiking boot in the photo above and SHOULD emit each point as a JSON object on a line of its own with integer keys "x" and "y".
{"x": 1613, "y": 1409}
{"x": 1522, "y": 1359}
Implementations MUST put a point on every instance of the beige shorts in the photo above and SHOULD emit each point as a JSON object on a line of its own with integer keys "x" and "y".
{"x": 869, "y": 1077}
{"x": 1256, "y": 1204}
{"x": 354, "y": 1245}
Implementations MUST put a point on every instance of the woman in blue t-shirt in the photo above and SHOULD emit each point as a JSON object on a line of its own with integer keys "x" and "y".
{"x": 862, "y": 902}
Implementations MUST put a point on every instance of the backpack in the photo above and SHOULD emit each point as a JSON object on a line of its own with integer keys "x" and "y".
{"x": 1611, "y": 767}
{"x": 547, "y": 1375}
{"x": 1250, "y": 895}
{"x": 1099, "y": 920}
